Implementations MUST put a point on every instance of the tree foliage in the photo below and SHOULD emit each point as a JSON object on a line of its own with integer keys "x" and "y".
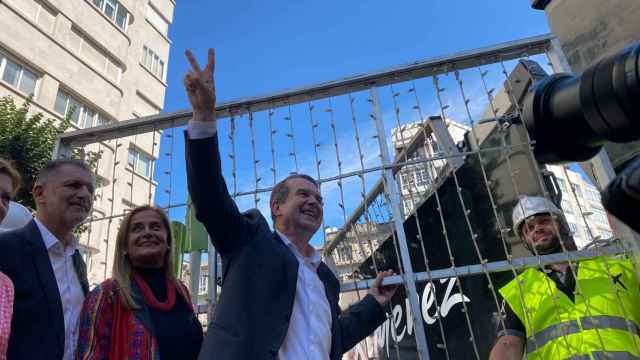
{"x": 28, "y": 139}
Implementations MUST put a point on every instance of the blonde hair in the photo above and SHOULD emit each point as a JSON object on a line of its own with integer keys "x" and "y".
{"x": 122, "y": 267}
{"x": 7, "y": 169}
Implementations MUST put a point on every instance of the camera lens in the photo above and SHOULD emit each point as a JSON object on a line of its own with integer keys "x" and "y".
{"x": 570, "y": 117}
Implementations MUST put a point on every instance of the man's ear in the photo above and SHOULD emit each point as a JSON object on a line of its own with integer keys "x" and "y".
{"x": 37, "y": 192}
{"x": 275, "y": 208}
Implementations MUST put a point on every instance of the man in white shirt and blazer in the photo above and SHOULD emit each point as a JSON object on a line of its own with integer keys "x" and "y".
{"x": 278, "y": 299}
{"x": 47, "y": 270}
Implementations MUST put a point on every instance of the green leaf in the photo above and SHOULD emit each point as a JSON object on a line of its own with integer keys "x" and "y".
{"x": 27, "y": 140}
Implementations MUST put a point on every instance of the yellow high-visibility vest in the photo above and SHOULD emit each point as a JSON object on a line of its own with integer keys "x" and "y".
{"x": 601, "y": 323}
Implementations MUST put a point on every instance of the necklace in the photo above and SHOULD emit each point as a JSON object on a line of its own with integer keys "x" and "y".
{"x": 151, "y": 300}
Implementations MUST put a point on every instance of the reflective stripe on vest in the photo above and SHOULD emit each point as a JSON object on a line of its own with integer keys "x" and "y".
{"x": 606, "y": 355}
{"x": 551, "y": 333}
{"x": 603, "y": 321}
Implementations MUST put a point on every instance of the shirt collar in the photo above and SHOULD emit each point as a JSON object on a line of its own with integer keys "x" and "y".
{"x": 314, "y": 259}
{"x": 51, "y": 240}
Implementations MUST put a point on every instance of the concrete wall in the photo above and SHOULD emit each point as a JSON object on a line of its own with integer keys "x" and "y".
{"x": 590, "y": 29}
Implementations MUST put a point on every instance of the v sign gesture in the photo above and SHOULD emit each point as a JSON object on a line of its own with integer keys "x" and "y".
{"x": 201, "y": 88}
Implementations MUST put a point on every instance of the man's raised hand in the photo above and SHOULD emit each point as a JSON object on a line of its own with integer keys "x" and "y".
{"x": 201, "y": 88}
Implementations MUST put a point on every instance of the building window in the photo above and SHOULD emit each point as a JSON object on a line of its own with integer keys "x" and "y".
{"x": 414, "y": 155}
{"x": 422, "y": 178}
{"x": 151, "y": 61}
{"x": 204, "y": 283}
{"x": 599, "y": 216}
{"x": 80, "y": 114}
{"x": 101, "y": 120}
{"x": 157, "y": 20}
{"x": 573, "y": 228}
{"x": 408, "y": 181}
{"x": 140, "y": 162}
{"x": 408, "y": 205}
{"x": 344, "y": 254}
{"x": 566, "y": 207}
{"x": 563, "y": 185}
{"x": 437, "y": 151}
{"x": 577, "y": 189}
{"x": 604, "y": 234}
{"x": 112, "y": 9}
{"x": 591, "y": 233}
{"x": 17, "y": 75}
{"x": 592, "y": 195}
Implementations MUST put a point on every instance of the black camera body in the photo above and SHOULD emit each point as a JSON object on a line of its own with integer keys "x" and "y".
{"x": 569, "y": 118}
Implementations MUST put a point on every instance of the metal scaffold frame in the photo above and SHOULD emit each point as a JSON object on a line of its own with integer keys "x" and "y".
{"x": 466, "y": 59}
{"x": 387, "y": 186}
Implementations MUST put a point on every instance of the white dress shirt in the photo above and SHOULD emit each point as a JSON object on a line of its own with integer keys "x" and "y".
{"x": 71, "y": 294}
{"x": 201, "y": 129}
{"x": 309, "y": 333}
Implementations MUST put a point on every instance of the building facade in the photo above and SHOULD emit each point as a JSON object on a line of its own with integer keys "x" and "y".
{"x": 105, "y": 60}
{"x": 581, "y": 203}
{"x": 416, "y": 180}
{"x": 358, "y": 244}
{"x": 582, "y": 207}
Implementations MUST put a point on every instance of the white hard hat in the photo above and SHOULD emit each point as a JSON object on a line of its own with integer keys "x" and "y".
{"x": 17, "y": 217}
{"x": 532, "y": 205}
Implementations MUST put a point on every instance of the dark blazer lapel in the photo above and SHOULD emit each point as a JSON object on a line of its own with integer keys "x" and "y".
{"x": 81, "y": 270}
{"x": 291, "y": 266}
{"x": 329, "y": 280}
{"x": 47, "y": 278}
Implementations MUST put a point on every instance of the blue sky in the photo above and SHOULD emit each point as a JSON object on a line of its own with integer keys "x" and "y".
{"x": 267, "y": 46}
{"x": 264, "y": 46}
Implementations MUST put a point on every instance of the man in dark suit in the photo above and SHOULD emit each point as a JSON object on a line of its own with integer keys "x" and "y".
{"x": 43, "y": 261}
{"x": 278, "y": 300}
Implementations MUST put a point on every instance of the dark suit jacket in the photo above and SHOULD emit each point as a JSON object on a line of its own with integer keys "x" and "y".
{"x": 37, "y": 326}
{"x": 259, "y": 274}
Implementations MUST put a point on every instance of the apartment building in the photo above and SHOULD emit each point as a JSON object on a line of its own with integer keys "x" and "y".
{"x": 416, "y": 180}
{"x": 358, "y": 244}
{"x": 107, "y": 60}
{"x": 582, "y": 206}
{"x": 581, "y": 201}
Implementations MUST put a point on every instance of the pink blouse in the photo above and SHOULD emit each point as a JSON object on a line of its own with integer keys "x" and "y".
{"x": 6, "y": 311}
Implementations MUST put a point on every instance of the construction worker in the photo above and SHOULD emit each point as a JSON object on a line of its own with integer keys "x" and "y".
{"x": 552, "y": 314}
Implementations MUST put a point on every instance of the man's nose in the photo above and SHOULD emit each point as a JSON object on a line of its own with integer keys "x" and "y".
{"x": 314, "y": 200}
{"x": 84, "y": 193}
